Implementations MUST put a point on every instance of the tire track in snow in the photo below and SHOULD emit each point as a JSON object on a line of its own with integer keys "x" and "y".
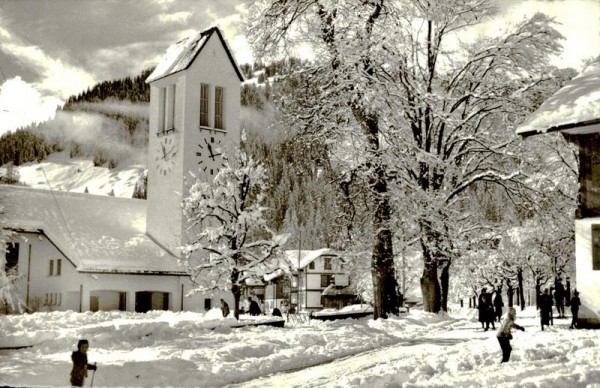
{"x": 305, "y": 376}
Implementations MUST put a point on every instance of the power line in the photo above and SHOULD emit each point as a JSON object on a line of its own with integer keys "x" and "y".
{"x": 62, "y": 215}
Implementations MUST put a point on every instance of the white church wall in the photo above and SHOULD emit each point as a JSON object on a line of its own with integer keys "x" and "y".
{"x": 164, "y": 221}
{"x": 588, "y": 280}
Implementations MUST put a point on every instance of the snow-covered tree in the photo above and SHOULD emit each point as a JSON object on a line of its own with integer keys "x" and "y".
{"x": 336, "y": 102}
{"x": 8, "y": 279}
{"x": 420, "y": 113}
{"x": 229, "y": 240}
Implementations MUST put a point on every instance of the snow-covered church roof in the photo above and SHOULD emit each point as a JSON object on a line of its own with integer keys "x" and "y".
{"x": 182, "y": 54}
{"x": 96, "y": 233}
{"x": 575, "y": 105}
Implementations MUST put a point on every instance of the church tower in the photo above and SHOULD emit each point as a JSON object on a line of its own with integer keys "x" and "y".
{"x": 194, "y": 118}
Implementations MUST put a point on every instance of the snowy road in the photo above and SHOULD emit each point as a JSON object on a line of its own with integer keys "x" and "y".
{"x": 349, "y": 370}
{"x": 182, "y": 350}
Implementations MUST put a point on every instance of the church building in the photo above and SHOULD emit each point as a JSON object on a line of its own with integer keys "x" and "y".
{"x": 84, "y": 252}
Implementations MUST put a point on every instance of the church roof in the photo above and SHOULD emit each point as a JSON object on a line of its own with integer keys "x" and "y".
{"x": 96, "y": 233}
{"x": 182, "y": 54}
{"x": 575, "y": 105}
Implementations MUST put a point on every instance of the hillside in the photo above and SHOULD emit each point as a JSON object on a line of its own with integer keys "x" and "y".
{"x": 98, "y": 142}
{"x": 62, "y": 173}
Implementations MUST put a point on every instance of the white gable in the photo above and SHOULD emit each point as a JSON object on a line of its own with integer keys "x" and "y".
{"x": 181, "y": 55}
{"x": 300, "y": 259}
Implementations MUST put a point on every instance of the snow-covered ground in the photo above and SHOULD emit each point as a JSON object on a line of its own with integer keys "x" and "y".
{"x": 189, "y": 349}
{"x": 62, "y": 173}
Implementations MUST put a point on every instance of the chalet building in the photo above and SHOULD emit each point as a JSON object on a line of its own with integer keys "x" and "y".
{"x": 319, "y": 280}
{"x": 84, "y": 252}
{"x": 574, "y": 111}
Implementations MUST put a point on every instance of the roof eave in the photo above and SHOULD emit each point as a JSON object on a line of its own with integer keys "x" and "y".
{"x": 566, "y": 127}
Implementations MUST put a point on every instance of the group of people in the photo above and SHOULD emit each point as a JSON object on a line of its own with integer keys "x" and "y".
{"x": 545, "y": 304}
{"x": 490, "y": 308}
{"x": 251, "y": 307}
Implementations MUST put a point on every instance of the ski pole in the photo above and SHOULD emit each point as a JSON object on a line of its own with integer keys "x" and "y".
{"x": 93, "y": 374}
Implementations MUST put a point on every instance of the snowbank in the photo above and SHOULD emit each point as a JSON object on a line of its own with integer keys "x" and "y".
{"x": 191, "y": 349}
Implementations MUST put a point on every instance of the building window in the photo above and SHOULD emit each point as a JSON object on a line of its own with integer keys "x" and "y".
{"x": 311, "y": 265}
{"x": 203, "y": 105}
{"x": 58, "y": 267}
{"x": 170, "y": 108}
{"x": 596, "y": 247}
{"x": 51, "y": 268}
{"x": 207, "y": 304}
{"x": 219, "y": 108}
{"x": 328, "y": 263}
{"x": 325, "y": 280}
{"x": 161, "y": 109}
{"x": 12, "y": 257}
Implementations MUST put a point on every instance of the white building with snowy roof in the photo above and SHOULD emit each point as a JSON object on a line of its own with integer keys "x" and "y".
{"x": 574, "y": 111}
{"x": 86, "y": 252}
{"x": 312, "y": 272}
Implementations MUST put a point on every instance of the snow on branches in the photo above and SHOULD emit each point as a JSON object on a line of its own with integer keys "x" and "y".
{"x": 8, "y": 279}
{"x": 229, "y": 241}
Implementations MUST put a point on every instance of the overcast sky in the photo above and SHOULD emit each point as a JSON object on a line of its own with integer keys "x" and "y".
{"x": 51, "y": 49}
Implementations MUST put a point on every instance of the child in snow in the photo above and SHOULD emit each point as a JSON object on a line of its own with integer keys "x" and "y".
{"x": 80, "y": 364}
{"x": 504, "y": 333}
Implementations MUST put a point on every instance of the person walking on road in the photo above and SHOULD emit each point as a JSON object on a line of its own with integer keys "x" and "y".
{"x": 575, "y": 303}
{"x": 498, "y": 304}
{"x": 224, "y": 308}
{"x": 545, "y": 308}
{"x": 559, "y": 297}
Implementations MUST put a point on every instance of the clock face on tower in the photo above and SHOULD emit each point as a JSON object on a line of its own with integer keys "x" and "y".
{"x": 165, "y": 154}
{"x": 210, "y": 155}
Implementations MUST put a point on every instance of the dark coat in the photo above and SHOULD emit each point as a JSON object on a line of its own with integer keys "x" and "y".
{"x": 481, "y": 306}
{"x": 498, "y": 302}
{"x": 225, "y": 309}
{"x": 80, "y": 368}
{"x": 545, "y": 308}
{"x": 486, "y": 307}
{"x": 559, "y": 293}
{"x": 254, "y": 308}
{"x": 575, "y": 303}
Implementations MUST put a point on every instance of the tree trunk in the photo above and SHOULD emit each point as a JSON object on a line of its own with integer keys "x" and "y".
{"x": 521, "y": 294}
{"x": 445, "y": 285}
{"x": 385, "y": 286}
{"x": 510, "y": 295}
{"x": 430, "y": 287}
{"x": 236, "y": 291}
